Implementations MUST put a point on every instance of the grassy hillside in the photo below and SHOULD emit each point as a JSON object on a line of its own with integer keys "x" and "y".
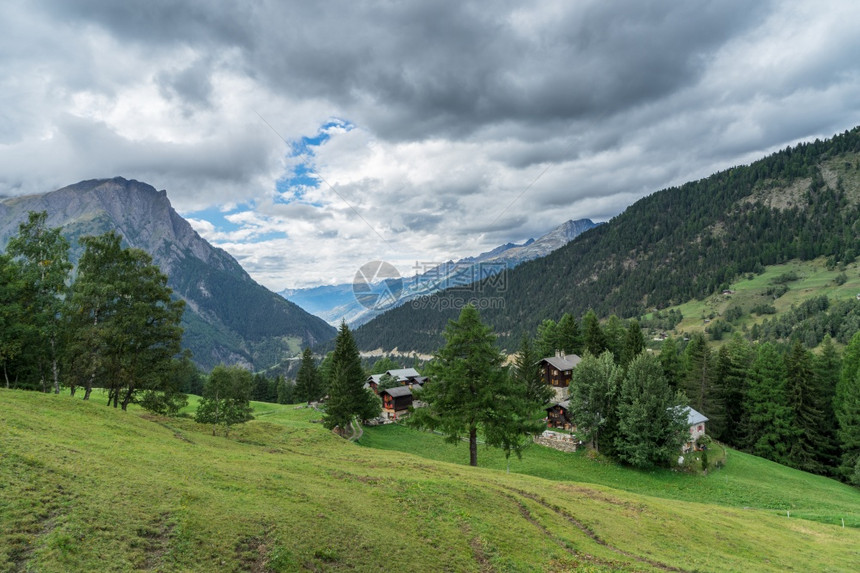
{"x": 739, "y": 483}
{"x": 85, "y": 488}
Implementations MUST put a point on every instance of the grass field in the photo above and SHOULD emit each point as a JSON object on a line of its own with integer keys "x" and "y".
{"x": 740, "y": 483}
{"x": 84, "y": 487}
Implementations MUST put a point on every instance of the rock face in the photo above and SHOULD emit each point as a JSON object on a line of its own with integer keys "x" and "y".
{"x": 337, "y": 302}
{"x": 229, "y": 317}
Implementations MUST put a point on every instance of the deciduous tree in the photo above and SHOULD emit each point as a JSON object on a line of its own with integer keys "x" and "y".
{"x": 226, "y": 398}
{"x": 651, "y": 418}
{"x": 43, "y": 256}
{"x": 594, "y": 391}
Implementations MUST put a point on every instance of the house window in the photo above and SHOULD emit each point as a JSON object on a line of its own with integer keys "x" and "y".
{"x": 555, "y": 372}
{"x": 701, "y": 428}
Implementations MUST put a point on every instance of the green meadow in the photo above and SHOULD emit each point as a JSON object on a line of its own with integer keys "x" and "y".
{"x": 84, "y": 487}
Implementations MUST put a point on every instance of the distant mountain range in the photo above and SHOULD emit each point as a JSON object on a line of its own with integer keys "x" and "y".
{"x": 228, "y": 318}
{"x": 338, "y": 302}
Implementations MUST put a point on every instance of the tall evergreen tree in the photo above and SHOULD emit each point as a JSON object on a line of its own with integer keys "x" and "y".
{"x": 594, "y": 340}
{"x": 673, "y": 367}
{"x": 308, "y": 381}
{"x": 570, "y": 338}
{"x": 848, "y": 415}
{"x": 614, "y": 333}
{"x": 651, "y": 418}
{"x": 850, "y": 367}
{"x": 826, "y": 367}
{"x": 347, "y": 397}
{"x": 548, "y": 339}
{"x": 699, "y": 383}
{"x": 43, "y": 256}
{"x": 847, "y": 407}
{"x": 470, "y": 391}
{"x": 731, "y": 369}
{"x": 594, "y": 393}
{"x": 526, "y": 371}
{"x": 634, "y": 343}
{"x": 768, "y": 431}
{"x": 805, "y": 411}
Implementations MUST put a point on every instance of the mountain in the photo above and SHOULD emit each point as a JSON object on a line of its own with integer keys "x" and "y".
{"x": 676, "y": 245}
{"x": 228, "y": 318}
{"x": 334, "y": 303}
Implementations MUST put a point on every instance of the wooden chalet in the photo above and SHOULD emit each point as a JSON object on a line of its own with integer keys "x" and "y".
{"x": 405, "y": 376}
{"x": 558, "y": 370}
{"x": 558, "y": 416}
{"x": 396, "y": 401}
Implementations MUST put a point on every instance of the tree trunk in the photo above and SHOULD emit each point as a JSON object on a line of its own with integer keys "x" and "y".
{"x": 88, "y": 390}
{"x": 6, "y": 375}
{"x": 54, "y": 367}
{"x": 127, "y": 399}
{"x": 473, "y": 446}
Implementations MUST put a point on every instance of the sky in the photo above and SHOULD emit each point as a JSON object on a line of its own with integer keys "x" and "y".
{"x": 308, "y": 138}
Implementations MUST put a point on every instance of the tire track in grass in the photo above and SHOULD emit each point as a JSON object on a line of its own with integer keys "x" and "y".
{"x": 590, "y": 532}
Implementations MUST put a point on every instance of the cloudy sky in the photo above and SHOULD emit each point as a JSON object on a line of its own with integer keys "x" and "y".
{"x": 307, "y": 138}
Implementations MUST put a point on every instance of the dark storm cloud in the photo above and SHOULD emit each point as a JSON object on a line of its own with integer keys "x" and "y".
{"x": 421, "y": 69}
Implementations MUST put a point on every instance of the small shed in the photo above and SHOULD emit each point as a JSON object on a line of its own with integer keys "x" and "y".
{"x": 696, "y": 423}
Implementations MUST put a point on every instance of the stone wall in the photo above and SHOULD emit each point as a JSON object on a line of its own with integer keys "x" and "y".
{"x": 557, "y": 441}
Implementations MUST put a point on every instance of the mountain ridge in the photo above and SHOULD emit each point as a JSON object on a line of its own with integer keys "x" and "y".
{"x": 255, "y": 328}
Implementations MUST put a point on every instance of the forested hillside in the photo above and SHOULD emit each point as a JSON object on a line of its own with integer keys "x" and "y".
{"x": 678, "y": 244}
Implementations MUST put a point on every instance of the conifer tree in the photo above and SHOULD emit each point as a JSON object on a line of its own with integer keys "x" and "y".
{"x": 731, "y": 369}
{"x": 699, "y": 384}
{"x": 526, "y": 371}
{"x": 826, "y": 367}
{"x": 470, "y": 391}
{"x": 614, "y": 333}
{"x": 594, "y": 339}
{"x": 670, "y": 359}
{"x": 803, "y": 403}
{"x": 308, "y": 383}
{"x": 570, "y": 338}
{"x": 548, "y": 339}
{"x": 634, "y": 343}
{"x": 347, "y": 397}
{"x": 767, "y": 426}
{"x": 848, "y": 410}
